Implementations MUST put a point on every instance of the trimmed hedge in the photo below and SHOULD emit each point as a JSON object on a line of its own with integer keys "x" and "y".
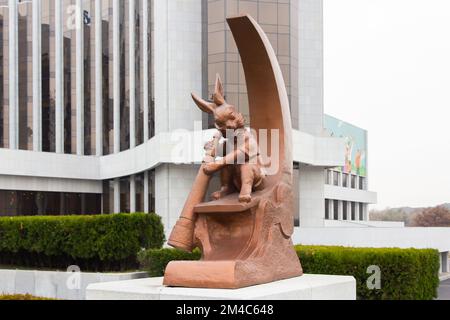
{"x": 155, "y": 261}
{"x": 406, "y": 274}
{"x": 94, "y": 243}
{"x": 23, "y": 297}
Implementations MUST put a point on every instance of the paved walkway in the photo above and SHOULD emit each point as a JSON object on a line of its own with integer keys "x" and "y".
{"x": 444, "y": 290}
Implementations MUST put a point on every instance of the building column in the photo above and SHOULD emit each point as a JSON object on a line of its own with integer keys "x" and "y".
{"x": 133, "y": 194}
{"x": 310, "y": 66}
{"x": 59, "y": 78}
{"x": 357, "y": 218}
{"x": 37, "y": 76}
{"x": 366, "y": 212}
{"x": 331, "y": 213}
{"x": 116, "y": 73}
{"x": 98, "y": 78}
{"x": 80, "y": 76}
{"x": 145, "y": 66}
{"x": 13, "y": 76}
{"x": 146, "y": 190}
{"x": 117, "y": 195}
{"x": 444, "y": 262}
{"x": 132, "y": 61}
{"x": 177, "y": 57}
{"x": 329, "y": 205}
{"x": 312, "y": 197}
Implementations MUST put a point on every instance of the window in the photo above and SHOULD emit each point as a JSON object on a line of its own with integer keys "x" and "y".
{"x": 336, "y": 178}
{"x": 108, "y": 196}
{"x": 362, "y": 183}
{"x": 125, "y": 194}
{"x": 281, "y": 25}
{"x": 353, "y": 205}
{"x": 18, "y": 203}
{"x": 327, "y": 209}
{"x": 345, "y": 210}
{"x": 139, "y": 178}
{"x": 354, "y": 178}
{"x": 345, "y": 183}
{"x": 296, "y": 194}
{"x": 328, "y": 178}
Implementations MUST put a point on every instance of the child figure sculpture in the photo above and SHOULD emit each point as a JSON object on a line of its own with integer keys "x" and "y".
{"x": 240, "y": 167}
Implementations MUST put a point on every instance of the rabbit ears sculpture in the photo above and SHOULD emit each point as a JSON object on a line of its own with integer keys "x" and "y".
{"x": 218, "y": 98}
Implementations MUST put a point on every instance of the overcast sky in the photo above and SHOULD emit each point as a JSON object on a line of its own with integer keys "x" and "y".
{"x": 387, "y": 69}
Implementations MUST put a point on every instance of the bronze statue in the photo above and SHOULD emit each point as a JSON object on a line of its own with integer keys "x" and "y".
{"x": 245, "y": 232}
{"x": 246, "y": 175}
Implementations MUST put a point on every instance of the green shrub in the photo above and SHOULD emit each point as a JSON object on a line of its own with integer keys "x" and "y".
{"x": 102, "y": 242}
{"x": 405, "y": 273}
{"x": 155, "y": 261}
{"x": 23, "y": 297}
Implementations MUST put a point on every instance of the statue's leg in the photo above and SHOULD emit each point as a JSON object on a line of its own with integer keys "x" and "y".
{"x": 226, "y": 182}
{"x": 247, "y": 179}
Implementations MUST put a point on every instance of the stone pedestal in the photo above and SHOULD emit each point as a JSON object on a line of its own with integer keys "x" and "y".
{"x": 307, "y": 287}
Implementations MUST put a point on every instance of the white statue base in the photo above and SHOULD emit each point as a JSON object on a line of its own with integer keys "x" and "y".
{"x": 307, "y": 287}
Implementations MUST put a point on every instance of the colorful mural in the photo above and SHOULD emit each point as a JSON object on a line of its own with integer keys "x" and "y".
{"x": 355, "y": 144}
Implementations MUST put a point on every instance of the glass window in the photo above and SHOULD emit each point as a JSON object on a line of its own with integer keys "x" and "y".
{"x": 327, "y": 209}
{"x": 281, "y": 27}
{"x": 336, "y": 209}
{"x": 139, "y": 108}
{"x": 3, "y": 77}
{"x": 17, "y": 203}
{"x": 48, "y": 76}
{"x": 139, "y": 192}
{"x": 108, "y": 94}
{"x": 345, "y": 178}
{"x": 125, "y": 195}
{"x": 151, "y": 190}
{"x": 345, "y": 210}
{"x": 353, "y": 212}
{"x": 297, "y": 195}
{"x": 362, "y": 183}
{"x": 336, "y": 178}
{"x": 354, "y": 178}
{"x": 89, "y": 78}
{"x": 108, "y": 196}
{"x": 328, "y": 175}
{"x": 25, "y": 78}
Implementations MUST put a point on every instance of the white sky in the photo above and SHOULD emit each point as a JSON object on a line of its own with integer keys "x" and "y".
{"x": 387, "y": 69}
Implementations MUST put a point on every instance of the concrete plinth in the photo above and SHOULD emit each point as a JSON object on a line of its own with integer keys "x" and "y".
{"x": 307, "y": 287}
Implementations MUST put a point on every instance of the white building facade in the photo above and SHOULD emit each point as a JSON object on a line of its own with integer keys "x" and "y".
{"x": 95, "y": 103}
{"x": 93, "y": 90}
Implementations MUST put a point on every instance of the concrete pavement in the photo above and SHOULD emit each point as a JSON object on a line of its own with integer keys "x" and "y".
{"x": 444, "y": 290}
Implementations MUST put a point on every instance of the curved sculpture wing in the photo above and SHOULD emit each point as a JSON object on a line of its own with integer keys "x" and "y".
{"x": 268, "y": 99}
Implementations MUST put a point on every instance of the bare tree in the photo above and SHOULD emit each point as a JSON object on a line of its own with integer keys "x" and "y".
{"x": 433, "y": 217}
{"x": 391, "y": 215}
